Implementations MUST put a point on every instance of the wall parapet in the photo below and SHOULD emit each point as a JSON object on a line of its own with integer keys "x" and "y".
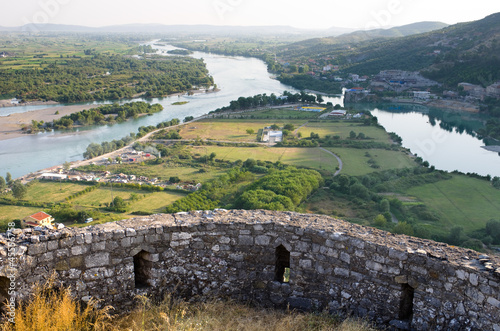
{"x": 272, "y": 258}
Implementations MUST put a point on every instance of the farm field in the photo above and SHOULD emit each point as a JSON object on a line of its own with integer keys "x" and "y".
{"x": 342, "y": 129}
{"x": 296, "y": 156}
{"x": 355, "y": 160}
{"x": 166, "y": 170}
{"x": 279, "y": 113}
{"x": 230, "y": 129}
{"x": 48, "y": 191}
{"x": 460, "y": 201}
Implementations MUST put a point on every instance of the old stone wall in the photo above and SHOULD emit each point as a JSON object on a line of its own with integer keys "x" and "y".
{"x": 274, "y": 259}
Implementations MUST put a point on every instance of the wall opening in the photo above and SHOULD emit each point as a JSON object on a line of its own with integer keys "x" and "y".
{"x": 406, "y": 304}
{"x": 4, "y": 292}
{"x": 282, "y": 266}
{"x": 142, "y": 269}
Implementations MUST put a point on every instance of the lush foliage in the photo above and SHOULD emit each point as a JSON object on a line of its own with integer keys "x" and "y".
{"x": 105, "y": 77}
{"x": 100, "y": 115}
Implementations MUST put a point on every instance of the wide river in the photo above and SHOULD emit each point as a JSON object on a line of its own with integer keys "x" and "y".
{"x": 238, "y": 76}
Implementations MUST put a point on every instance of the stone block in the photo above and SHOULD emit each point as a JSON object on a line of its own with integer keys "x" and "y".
{"x": 262, "y": 240}
{"x": 79, "y": 250}
{"x": 245, "y": 240}
{"x": 97, "y": 260}
{"x": 62, "y": 265}
{"x": 52, "y": 245}
{"x": 76, "y": 262}
{"x": 36, "y": 249}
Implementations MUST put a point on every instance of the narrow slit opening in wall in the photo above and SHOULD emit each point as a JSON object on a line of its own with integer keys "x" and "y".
{"x": 282, "y": 266}
{"x": 142, "y": 269}
{"x": 406, "y": 306}
{"x": 4, "y": 292}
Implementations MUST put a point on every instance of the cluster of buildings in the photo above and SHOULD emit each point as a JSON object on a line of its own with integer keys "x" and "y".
{"x": 399, "y": 81}
{"x": 478, "y": 92}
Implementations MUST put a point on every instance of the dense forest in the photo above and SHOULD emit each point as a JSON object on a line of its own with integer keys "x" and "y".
{"x": 100, "y": 115}
{"x": 105, "y": 77}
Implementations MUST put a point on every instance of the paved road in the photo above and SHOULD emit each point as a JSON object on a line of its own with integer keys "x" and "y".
{"x": 338, "y": 159}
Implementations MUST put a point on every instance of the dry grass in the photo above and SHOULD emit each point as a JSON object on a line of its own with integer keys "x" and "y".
{"x": 56, "y": 310}
{"x": 51, "y": 310}
{"x": 174, "y": 314}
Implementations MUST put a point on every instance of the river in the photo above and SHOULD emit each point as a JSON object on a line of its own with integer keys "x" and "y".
{"x": 235, "y": 77}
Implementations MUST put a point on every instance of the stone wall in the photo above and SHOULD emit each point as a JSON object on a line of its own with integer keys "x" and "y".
{"x": 398, "y": 280}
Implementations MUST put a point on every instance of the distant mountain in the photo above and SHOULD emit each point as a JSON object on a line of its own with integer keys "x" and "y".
{"x": 365, "y": 35}
{"x": 180, "y": 29}
{"x": 462, "y": 52}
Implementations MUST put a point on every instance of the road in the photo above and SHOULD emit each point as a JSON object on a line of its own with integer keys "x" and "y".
{"x": 338, "y": 159}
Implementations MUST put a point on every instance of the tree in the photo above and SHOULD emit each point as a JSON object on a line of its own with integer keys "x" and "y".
{"x": 352, "y": 135}
{"x": 403, "y": 228}
{"x": 384, "y": 206}
{"x": 456, "y": 235}
{"x": 496, "y": 182}
{"x": 8, "y": 178}
{"x": 289, "y": 127}
{"x": 493, "y": 229}
{"x": 380, "y": 220}
{"x": 188, "y": 118}
{"x": 3, "y": 184}
{"x": 119, "y": 159}
{"x": 174, "y": 180}
{"x": 319, "y": 98}
{"x": 250, "y": 131}
{"x": 275, "y": 127}
{"x": 119, "y": 203}
{"x": 19, "y": 190}
{"x": 66, "y": 165}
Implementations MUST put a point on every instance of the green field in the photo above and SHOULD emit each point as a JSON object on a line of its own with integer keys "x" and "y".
{"x": 166, "y": 170}
{"x": 279, "y": 113}
{"x": 230, "y": 129}
{"x": 52, "y": 191}
{"x": 460, "y": 201}
{"x": 342, "y": 129}
{"x": 302, "y": 157}
{"x": 53, "y": 47}
{"x": 355, "y": 161}
{"x": 9, "y": 213}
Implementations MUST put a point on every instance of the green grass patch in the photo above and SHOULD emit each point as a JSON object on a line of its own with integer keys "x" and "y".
{"x": 166, "y": 170}
{"x": 301, "y": 157}
{"x": 52, "y": 191}
{"x": 460, "y": 201}
{"x": 230, "y": 129}
{"x": 279, "y": 113}
{"x": 154, "y": 202}
{"x": 9, "y": 213}
{"x": 356, "y": 163}
{"x": 343, "y": 129}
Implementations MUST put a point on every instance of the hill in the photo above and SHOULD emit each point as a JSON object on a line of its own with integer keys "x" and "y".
{"x": 457, "y": 53}
{"x": 364, "y": 35}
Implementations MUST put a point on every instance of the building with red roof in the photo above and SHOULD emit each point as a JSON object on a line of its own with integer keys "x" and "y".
{"x": 38, "y": 219}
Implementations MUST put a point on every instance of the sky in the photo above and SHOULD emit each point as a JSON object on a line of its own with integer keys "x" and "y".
{"x": 310, "y": 14}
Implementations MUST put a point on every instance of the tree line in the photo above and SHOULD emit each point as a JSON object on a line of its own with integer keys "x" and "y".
{"x": 105, "y": 77}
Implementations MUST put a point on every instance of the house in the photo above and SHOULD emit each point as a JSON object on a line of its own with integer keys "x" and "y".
{"x": 421, "y": 95}
{"x": 337, "y": 113}
{"x": 38, "y": 219}
{"x": 53, "y": 176}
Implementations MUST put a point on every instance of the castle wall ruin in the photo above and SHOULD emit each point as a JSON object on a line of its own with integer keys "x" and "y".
{"x": 274, "y": 259}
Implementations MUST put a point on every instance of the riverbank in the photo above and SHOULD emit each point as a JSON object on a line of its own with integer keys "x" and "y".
{"x": 11, "y": 125}
{"x": 8, "y": 103}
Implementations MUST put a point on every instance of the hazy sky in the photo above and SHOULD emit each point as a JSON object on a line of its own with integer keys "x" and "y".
{"x": 302, "y": 14}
